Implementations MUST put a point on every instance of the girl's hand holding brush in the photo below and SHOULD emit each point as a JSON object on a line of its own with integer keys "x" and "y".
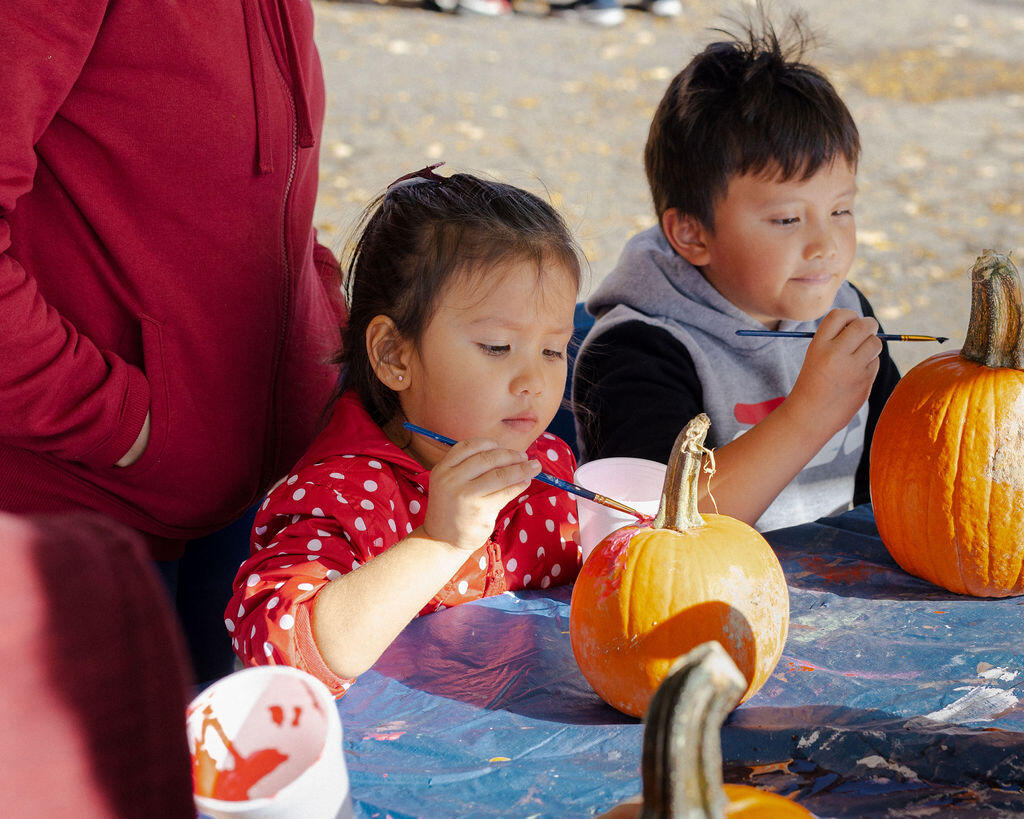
{"x": 469, "y": 486}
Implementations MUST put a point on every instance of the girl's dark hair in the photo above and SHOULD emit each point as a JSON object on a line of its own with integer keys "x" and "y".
{"x": 415, "y": 239}
{"x": 747, "y": 105}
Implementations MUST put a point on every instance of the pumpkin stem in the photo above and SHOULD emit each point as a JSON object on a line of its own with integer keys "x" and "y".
{"x": 682, "y": 746}
{"x": 994, "y": 333}
{"x": 678, "y": 508}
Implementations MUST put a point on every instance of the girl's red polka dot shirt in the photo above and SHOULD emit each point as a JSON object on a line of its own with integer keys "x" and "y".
{"x": 352, "y": 496}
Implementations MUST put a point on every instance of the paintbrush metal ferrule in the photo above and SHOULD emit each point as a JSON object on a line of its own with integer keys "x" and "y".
{"x": 614, "y": 504}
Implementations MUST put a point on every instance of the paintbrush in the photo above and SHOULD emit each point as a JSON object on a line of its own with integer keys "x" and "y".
{"x": 543, "y": 477}
{"x": 810, "y": 334}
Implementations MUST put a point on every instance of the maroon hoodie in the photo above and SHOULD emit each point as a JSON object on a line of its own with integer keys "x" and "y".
{"x": 158, "y": 171}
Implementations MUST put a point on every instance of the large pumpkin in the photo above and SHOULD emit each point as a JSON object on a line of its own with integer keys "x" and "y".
{"x": 682, "y": 751}
{"x": 947, "y": 458}
{"x": 652, "y": 591}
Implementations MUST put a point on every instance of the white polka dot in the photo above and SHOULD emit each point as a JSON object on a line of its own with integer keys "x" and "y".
{"x": 292, "y": 479}
{"x": 318, "y": 512}
{"x": 556, "y": 570}
{"x": 241, "y": 610}
{"x": 545, "y": 582}
{"x": 569, "y": 517}
{"x": 356, "y": 564}
{"x": 340, "y": 498}
{"x": 549, "y": 525}
{"x": 540, "y": 552}
{"x": 235, "y": 643}
{"x": 315, "y": 545}
{"x": 414, "y": 506}
{"x": 408, "y": 528}
{"x": 528, "y": 508}
{"x": 312, "y": 557}
{"x": 333, "y": 574}
{"x": 230, "y": 625}
{"x": 378, "y": 542}
{"x": 260, "y": 530}
{"x": 322, "y": 533}
{"x": 522, "y": 536}
{"x": 253, "y": 580}
{"x": 348, "y": 456}
{"x": 564, "y": 544}
{"x": 370, "y": 486}
{"x": 553, "y": 500}
{"x": 374, "y": 464}
{"x": 286, "y": 622}
{"x": 268, "y": 649}
{"x": 252, "y": 632}
{"x": 548, "y": 435}
{"x": 394, "y": 527}
{"x": 552, "y": 455}
{"x": 305, "y": 587}
{"x": 463, "y": 587}
{"x": 279, "y": 585}
{"x": 296, "y": 518}
{"x": 266, "y": 502}
{"x": 366, "y": 504}
{"x": 337, "y": 476}
{"x": 483, "y": 562}
{"x": 505, "y": 523}
{"x": 526, "y": 579}
{"x": 360, "y": 524}
{"x": 391, "y": 503}
{"x": 273, "y": 601}
{"x": 512, "y": 564}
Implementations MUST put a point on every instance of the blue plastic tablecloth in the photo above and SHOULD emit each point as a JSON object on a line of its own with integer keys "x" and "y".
{"x": 892, "y": 697}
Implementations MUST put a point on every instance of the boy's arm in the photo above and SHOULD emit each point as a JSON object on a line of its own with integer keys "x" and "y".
{"x": 834, "y": 382}
{"x": 634, "y": 388}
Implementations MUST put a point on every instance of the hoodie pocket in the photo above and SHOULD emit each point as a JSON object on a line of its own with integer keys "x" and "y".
{"x": 153, "y": 367}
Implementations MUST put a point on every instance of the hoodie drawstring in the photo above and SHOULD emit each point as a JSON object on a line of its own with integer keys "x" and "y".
{"x": 258, "y": 66}
{"x": 304, "y": 126}
{"x": 264, "y": 158}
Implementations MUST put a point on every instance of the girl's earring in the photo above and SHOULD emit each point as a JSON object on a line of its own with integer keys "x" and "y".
{"x": 401, "y": 378}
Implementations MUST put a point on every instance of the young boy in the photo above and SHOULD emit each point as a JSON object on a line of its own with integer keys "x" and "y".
{"x": 751, "y": 161}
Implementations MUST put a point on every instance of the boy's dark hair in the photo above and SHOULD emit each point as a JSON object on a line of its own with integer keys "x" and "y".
{"x": 420, "y": 235}
{"x": 747, "y": 105}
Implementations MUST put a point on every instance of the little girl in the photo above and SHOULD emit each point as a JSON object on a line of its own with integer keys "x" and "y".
{"x": 461, "y": 295}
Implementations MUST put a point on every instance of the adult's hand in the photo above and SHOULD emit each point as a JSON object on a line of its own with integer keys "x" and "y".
{"x": 133, "y": 454}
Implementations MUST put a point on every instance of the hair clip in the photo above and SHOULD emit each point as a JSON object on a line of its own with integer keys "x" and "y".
{"x": 422, "y": 175}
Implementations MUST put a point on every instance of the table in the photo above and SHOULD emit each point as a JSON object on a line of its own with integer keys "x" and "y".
{"x": 891, "y": 695}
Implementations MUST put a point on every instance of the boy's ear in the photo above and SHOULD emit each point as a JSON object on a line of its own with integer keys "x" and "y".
{"x": 387, "y": 353}
{"x": 687, "y": 236}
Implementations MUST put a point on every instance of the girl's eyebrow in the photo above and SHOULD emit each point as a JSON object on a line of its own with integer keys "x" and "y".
{"x": 509, "y": 324}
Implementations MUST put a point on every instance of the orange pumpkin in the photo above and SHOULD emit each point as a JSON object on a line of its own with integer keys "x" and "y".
{"x": 947, "y": 457}
{"x": 682, "y": 751}
{"x": 651, "y": 591}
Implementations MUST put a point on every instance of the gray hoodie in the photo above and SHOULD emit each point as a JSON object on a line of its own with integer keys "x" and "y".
{"x": 742, "y": 378}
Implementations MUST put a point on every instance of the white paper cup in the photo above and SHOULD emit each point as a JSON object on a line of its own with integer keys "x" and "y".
{"x": 266, "y": 744}
{"x": 634, "y": 481}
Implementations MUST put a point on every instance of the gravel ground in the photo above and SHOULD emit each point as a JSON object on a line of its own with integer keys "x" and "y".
{"x": 562, "y": 108}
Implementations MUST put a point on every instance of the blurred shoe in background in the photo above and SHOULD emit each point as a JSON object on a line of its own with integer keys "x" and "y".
{"x": 605, "y": 13}
{"x": 662, "y": 8}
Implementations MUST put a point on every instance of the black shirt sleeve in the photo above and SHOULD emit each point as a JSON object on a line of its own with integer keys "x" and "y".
{"x": 886, "y": 379}
{"x": 635, "y": 388}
